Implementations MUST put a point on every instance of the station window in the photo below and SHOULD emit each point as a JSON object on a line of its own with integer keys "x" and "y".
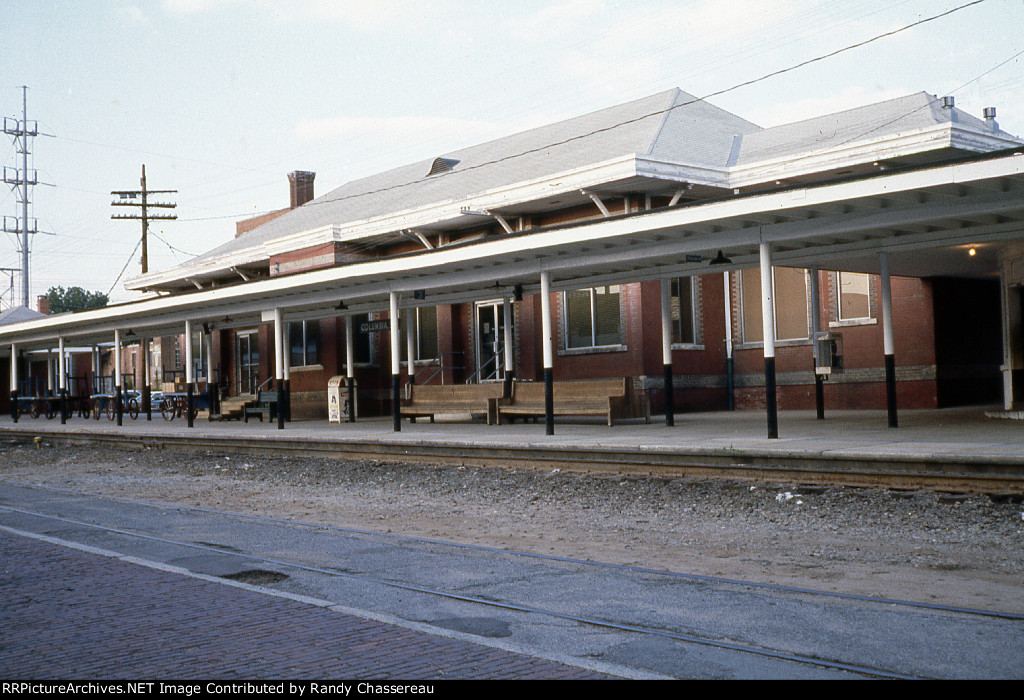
{"x": 854, "y": 296}
{"x": 791, "y": 312}
{"x": 425, "y": 328}
{"x": 592, "y": 317}
{"x": 303, "y": 343}
{"x": 684, "y": 312}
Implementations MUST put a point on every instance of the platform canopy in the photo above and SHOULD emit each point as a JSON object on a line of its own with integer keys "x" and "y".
{"x": 927, "y": 217}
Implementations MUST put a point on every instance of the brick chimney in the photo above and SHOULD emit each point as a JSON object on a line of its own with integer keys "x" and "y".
{"x": 43, "y": 304}
{"x": 300, "y": 187}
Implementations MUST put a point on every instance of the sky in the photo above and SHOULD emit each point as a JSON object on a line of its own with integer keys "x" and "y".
{"x": 220, "y": 99}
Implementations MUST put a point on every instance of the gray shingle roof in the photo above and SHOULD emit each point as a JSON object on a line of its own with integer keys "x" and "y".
{"x": 17, "y": 314}
{"x": 899, "y": 115}
{"x": 670, "y": 125}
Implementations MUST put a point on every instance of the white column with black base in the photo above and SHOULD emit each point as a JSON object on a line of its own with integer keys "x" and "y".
{"x": 396, "y": 363}
{"x": 888, "y": 345}
{"x": 190, "y": 376}
{"x": 14, "y": 382}
{"x": 819, "y": 380}
{"x": 350, "y": 368}
{"x": 548, "y": 345}
{"x": 62, "y": 380}
{"x": 279, "y": 365}
{"x": 768, "y": 324}
{"x": 666, "y": 350}
{"x": 506, "y": 310}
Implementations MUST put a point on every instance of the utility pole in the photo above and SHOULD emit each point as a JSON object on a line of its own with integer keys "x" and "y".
{"x": 20, "y": 180}
{"x": 139, "y": 198}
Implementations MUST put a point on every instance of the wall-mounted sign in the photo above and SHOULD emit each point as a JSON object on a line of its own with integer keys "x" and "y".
{"x": 375, "y": 326}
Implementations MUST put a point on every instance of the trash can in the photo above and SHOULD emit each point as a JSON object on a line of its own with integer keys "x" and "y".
{"x": 338, "y": 399}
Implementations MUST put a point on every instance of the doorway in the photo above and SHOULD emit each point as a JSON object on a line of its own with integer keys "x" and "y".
{"x": 490, "y": 341}
{"x": 247, "y": 354}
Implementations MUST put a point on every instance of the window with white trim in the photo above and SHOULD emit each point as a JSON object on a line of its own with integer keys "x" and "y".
{"x": 425, "y": 343}
{"x": 303, "y": 343}
{"x": 854, "y": 293}
{"x": 791, "y": 311}
{"x": 684, "y": 311}
{"x": 592, "y": 317}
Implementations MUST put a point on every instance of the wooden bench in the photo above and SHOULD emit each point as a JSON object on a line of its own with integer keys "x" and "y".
{"x": 266, "y": 405}
{"x": 431, "y": 399}
{"x": 612, "y": 398}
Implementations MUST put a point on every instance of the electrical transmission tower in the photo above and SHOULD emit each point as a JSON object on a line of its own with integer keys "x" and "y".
{"x": 20, "y": 180}
{"x": 139, "y": 198}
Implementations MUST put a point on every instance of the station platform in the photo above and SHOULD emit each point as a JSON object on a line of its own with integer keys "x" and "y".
{"x": 929, "y": 448}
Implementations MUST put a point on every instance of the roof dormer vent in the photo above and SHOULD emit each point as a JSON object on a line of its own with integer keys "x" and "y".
{"x": 948, "y": 102}
{"x": 442, "y": 165}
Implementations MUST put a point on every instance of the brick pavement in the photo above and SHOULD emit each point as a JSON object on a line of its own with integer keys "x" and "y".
{"x": 69, "y": 614}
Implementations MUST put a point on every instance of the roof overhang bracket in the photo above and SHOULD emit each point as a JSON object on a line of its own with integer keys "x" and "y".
{"x": 597, "y": 201}
{"x": 679, "y": 193}
{"x": 492, "y": 214}
{"x": 241, "y": 274}
{"x": 418, "y": 236}
{"x": 198, "y": 286}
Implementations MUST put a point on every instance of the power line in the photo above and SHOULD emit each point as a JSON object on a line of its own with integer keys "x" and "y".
{"x": 126, "y": 262}
{"x": 611, "y": 127}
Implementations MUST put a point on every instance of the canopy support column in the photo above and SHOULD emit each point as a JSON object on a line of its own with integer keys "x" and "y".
{"x": 62, "y": 380}
{"x": 506, "y": 310}
{"x": 147, "y": 390}
{"x": 350, "y": 369}
{"x": 189, "y": 374}
{"x": 888, "y": 345}
{"x": 819, "y": 380}
{"x": 396, "y": 363}
{"x": 118, "y": 405}
{"x": 768, "y": 324}
{"x": 279, "y": 366}
{"x": 14, "y": 382}
{"x": 410, "y": 349}
{"x": 546, "y": 341}
{"x": 666, "y": 350}
{"x": 730, "y": 362}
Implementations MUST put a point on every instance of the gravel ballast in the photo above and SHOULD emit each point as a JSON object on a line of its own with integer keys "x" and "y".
{"x": 962, "y": 550}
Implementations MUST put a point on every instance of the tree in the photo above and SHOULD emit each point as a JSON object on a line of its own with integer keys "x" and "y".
{"x": 74, "y": 299}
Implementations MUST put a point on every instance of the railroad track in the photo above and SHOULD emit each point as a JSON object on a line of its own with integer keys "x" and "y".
{"x": 697, "y": 631}
{"x": 965, "y": 473}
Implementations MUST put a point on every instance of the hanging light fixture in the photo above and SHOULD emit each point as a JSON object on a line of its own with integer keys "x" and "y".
{"x": 720, "y": 259}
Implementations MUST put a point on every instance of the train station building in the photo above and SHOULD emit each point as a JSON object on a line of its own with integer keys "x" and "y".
{"x": 870, "y": 258}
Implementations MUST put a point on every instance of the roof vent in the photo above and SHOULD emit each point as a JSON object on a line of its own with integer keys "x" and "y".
{"x": 948, "y": 101}
{"x": 442, "y": 165}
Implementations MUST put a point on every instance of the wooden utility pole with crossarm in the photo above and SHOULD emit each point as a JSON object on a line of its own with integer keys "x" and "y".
{"x": 140, "y": 198}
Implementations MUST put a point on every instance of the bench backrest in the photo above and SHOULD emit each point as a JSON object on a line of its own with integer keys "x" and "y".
{"x": 457, "y": 392}
{"x": 267, "y": 397}
{"x": 571, "y": 390}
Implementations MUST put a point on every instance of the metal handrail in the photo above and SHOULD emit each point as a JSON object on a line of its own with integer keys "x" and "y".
{"x": 493, "y": 375}
{"x": 437, "y": 365}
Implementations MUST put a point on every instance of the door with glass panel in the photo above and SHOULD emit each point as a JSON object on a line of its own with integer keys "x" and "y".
{"x": 247, "y": 355}
{"x": 490, "y": 341}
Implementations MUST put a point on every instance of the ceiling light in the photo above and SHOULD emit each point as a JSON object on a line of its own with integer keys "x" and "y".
{"x": 720, "y": 259}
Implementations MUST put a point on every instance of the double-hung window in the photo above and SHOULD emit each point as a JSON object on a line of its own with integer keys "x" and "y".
{"x": 304, "y": 343}
{"x": 425, "y": 343}
{"x": 592, "y": 317}
{"x": 684, "y": 316}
